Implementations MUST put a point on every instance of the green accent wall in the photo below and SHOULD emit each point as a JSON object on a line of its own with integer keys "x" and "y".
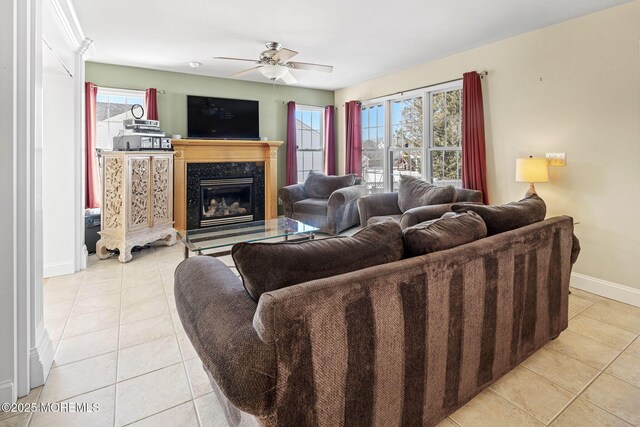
{"x": 172, "y": 105}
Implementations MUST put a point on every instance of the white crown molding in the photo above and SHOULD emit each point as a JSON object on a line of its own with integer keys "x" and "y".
{"x": 611, "y": 290}
{"x": 87, "y": 49}
{"x": 66, "y": 14}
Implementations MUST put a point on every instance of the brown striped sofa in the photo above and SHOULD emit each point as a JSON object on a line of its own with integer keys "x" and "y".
{"x": 400, "y": 344}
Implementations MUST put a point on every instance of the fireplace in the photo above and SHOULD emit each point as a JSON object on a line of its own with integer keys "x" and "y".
{"x": 226, "y": 201}
{"x": 224, "y": 193}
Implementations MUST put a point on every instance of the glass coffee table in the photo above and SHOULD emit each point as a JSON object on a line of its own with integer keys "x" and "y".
{"x": 207, "y": 239}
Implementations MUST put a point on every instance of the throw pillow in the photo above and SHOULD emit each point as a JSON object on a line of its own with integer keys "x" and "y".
{"x": 443, "y": 233}
{"x": 320, "y": 186}
{"x": 414, "y": 192}
{"x": 266, "y": 267}
{"x": 508, "y": 217}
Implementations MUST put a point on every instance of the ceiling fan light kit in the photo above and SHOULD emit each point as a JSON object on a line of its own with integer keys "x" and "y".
{"x": 273, "y": 72}
{"x": 274, "y": 64}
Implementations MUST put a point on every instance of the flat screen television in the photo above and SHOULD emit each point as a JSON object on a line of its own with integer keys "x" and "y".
{"x": 221, "y": 118}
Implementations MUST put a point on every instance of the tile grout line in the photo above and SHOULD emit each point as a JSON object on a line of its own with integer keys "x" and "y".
{"x": 184, "y": 364}
{"x": 115, "y": 388}
{"x": 590, "y": 383}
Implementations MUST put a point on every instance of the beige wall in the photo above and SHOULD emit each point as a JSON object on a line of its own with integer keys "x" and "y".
{"x": 573, "y": 87}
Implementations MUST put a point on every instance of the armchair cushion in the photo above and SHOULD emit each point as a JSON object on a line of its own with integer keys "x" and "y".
{"x": 507, "y": 217}
{"x": 443, "y": 233}
{"x": 311, "y": 206}
{"x": 383, "y": 218}
{"x": 265, "y": 267}
{"x": 415, "y": 192}
{"x": 319, "y": 185}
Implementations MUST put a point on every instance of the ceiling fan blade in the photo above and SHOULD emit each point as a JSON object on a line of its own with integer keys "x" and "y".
{"x": 242, "y": 73}
{"x": 289, "y": 79}
{"x": 284, "y": 54}
{"x": 236, "y": 59}
{"x": 312, "y": 67}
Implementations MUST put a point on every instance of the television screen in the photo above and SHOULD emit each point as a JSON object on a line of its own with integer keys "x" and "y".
{"x": 220, "y": 118}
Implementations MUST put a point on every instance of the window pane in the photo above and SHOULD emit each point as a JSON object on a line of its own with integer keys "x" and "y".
{"x": 365, "y": 117}
{"x": 407, "y": 123}
{"x": 407, "y": 162}
{"x": 452, "y": 131}
{"x": 438, "y": 133}
{"x": 446, "y": 167}
{"x": 373, "y": 170}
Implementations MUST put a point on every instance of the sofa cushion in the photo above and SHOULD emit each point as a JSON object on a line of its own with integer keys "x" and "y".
{"x": 383, "y": 218}
{"x": 311, "y": 206}
{"x": 414, "y": 192}
{"x": 507, "y": 217}
{"x": 443, "y": 233}
{"x": 319, "y": 185}
{"x": 266, "y": 267}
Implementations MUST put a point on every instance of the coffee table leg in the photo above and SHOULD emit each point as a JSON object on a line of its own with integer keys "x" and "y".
{"x": 186, "y": 252}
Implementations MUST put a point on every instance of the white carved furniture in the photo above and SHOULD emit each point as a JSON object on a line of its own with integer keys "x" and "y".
{"x": 137, "y": 201}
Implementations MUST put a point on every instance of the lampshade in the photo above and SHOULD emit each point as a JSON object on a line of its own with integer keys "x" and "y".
{"x": 273, "y": 72}
{"x": 532, "y": 170}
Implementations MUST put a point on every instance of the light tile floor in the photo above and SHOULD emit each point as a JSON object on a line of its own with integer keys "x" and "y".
{"x": 119, "y": 343}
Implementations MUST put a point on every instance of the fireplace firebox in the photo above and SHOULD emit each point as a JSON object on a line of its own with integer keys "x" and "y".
{"x": 226, "y": 201}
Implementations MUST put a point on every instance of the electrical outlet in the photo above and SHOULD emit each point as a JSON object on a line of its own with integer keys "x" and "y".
{"x": 556, "y": 159}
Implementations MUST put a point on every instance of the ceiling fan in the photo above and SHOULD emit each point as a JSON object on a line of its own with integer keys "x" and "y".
{"x": 274, "y": 64}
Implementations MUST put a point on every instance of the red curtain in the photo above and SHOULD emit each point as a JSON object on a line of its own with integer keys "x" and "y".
{"x": 474, "y": 162}
{"x": 329, "y": 141}
{"x": 151, "y": 103}
{"x": 292, "y": 149}
{"x": 353, "y": 157}
{"x": 92, "y": 186}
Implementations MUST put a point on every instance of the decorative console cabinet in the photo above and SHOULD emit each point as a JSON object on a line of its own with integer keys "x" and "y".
{"x": 137, "y": 201}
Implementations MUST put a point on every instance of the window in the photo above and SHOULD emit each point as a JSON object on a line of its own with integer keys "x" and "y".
{"x": 445, "y": 148}
{"x": 113, "y": 106}
{"x": 417, "y": 134}
{"x": 373, "y": 147}
{"x": 309, "y": 127}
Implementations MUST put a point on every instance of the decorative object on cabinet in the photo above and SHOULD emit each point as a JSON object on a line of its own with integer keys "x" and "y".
{"x": 137, "y": 201}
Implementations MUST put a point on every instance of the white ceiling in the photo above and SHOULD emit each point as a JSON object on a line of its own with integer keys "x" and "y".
{"x": 361, "y": 39}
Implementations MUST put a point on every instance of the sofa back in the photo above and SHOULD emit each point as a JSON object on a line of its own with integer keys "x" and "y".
{"x": 417, "y": 338}
{"x": 466, "y": 195}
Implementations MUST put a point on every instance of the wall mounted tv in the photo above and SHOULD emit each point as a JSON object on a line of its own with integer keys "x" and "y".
{"x": 220, "y": 118}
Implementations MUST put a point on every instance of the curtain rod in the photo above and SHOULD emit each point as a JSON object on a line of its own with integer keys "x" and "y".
{"x": 305, "y": 105}
{"x": 482, "y": 74}
{"x": 160, "y": 92}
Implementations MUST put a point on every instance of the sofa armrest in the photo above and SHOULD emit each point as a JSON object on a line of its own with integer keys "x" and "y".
{"x": 289, "y": 195}
{"x": 420, "y": 214}
{"x": 466, "y": 195}
{"x": 217, "y": 315}
{"x": 345, "y": 195}
{"x": 377, "y": 205}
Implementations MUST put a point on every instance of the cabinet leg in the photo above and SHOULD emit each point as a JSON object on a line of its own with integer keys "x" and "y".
{"x": 101, "y": 250}
{"x": 170, "y": 240}
{"x": 125, "y": 253}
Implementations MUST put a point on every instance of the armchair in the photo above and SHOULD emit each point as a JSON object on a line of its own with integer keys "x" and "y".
{"x": 327, "y": 202}
{"x": 378, "y": 207}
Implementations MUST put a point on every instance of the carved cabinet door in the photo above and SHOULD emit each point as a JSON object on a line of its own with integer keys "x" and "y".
{"x": 139, "y": 192}
{"x": 162, "y": 181}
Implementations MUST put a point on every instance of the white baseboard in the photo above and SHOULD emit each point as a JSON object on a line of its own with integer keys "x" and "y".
{"x": 611, "y": 290}
{"x": 7, "y": 392}
{"x": 61, "y": 268}
{"x": 40, "y": 360}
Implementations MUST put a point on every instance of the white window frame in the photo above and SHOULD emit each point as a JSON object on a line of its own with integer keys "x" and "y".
{"x": 127, "y": 93}
{"x": 311, "y": 108}
{"x": 426, "y": 93}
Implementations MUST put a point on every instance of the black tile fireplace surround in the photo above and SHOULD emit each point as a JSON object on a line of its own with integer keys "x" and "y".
{"x": 199, "y": 174}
